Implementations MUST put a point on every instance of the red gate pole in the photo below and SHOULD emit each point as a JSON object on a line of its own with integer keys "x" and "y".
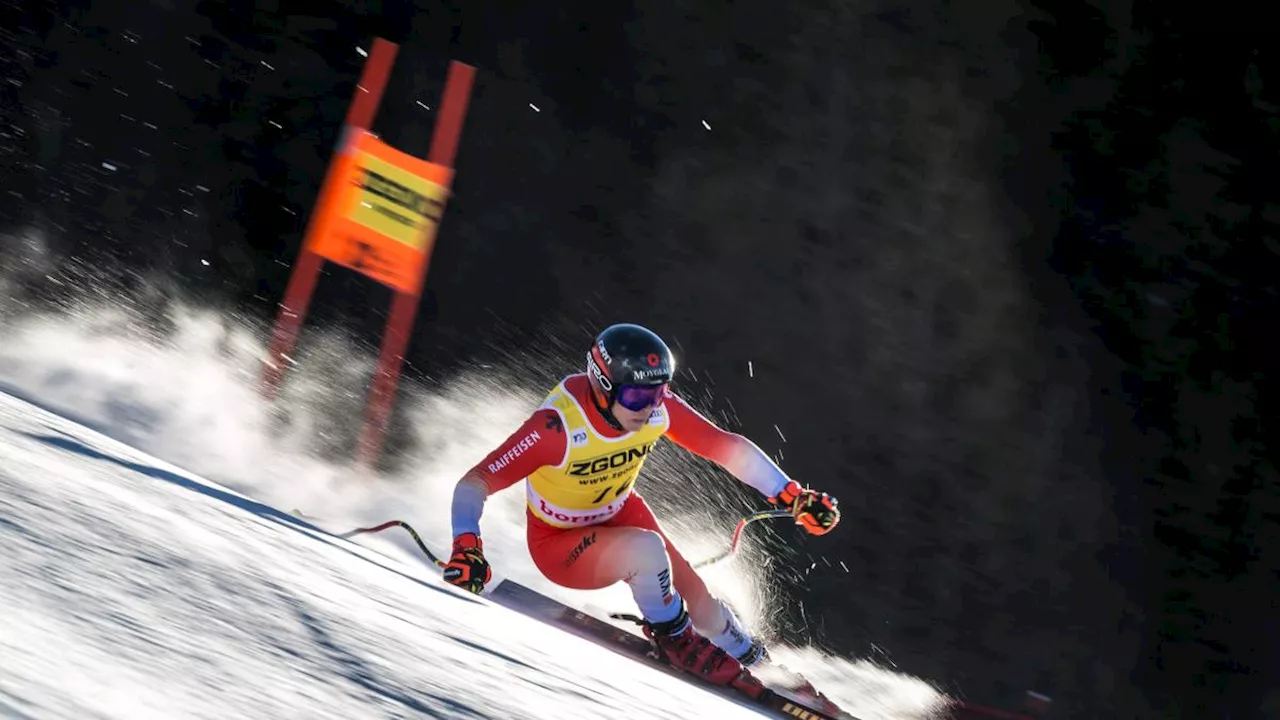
{"x": 306, "y": 271}
{"x": 395, "y": 340}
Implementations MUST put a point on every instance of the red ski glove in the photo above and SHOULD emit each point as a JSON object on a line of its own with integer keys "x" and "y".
{"x": 467, "y": 567}
{"x": 816, "y": 512}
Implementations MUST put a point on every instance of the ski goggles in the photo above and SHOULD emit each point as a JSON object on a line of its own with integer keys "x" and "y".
{"x": 641, "y": 397}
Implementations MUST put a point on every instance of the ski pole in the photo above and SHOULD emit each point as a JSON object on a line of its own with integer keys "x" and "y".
{"x": 393, "y": 523}
{"x": 737, "y": 533}
{"x": 733, "y": 544}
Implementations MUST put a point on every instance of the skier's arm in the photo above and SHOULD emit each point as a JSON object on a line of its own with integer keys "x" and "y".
{"x": 538, "y": 442}
{"x": 735, "y": 453}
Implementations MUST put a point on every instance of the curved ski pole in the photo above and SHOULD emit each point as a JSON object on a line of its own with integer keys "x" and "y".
{"x": 733, "y": 543}
{"x": 394, "y": 523}
{"x": 737, "y": 533}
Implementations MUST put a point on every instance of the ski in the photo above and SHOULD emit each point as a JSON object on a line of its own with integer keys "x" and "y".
{"x": 799, "y": 701}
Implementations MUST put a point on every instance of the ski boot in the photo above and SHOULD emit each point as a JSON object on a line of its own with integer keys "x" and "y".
{"x": 678, "y": 644}
{"x": 755, "y": 654}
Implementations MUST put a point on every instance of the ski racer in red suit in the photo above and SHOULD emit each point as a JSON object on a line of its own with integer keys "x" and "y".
{"x": 589, "y": 528}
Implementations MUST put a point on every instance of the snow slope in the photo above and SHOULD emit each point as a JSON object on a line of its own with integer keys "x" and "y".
{"x": 131, "y": 589}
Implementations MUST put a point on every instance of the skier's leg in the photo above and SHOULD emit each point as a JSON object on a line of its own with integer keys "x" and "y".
{"x": 598, "y": 556}
{"x": 710, "y": 615}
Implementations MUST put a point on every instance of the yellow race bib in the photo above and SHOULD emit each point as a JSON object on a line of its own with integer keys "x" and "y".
{"x": 597, "y": 474}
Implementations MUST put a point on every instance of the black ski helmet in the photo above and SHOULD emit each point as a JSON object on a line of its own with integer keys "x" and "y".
{"x": 626, "y": 354}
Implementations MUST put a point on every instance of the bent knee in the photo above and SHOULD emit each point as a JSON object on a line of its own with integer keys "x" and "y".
{"x": 647, "y": 551}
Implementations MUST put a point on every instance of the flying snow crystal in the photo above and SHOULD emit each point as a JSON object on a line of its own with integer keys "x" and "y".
{"x": 278, "y": 125}
{"x": 751, "y": 371}
{"x": 706, "y": 124}
{"x": 108, "y": 166}
{"x": 362, "y": 51}
{"x": 535, "y": 107}
{"x": 779, "y": 431}
{"x": 204, "y": 262}
{"x": 266, "y": 65}
{"x": 422, "y": 105}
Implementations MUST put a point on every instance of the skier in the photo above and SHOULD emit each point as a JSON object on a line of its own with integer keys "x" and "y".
{"x": 588, "y": 527}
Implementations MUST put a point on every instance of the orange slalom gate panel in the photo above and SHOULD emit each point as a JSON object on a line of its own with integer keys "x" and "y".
{"x": 382, "y": 216}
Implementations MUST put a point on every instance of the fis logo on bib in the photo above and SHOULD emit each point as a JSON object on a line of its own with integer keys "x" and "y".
{"x": 579, "y": 438}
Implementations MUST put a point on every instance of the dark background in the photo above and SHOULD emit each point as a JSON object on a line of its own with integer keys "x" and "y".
{"x": 1003, "y": 273}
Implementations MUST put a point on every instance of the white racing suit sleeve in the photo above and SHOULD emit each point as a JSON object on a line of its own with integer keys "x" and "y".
{"x": 749, "y": 464}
